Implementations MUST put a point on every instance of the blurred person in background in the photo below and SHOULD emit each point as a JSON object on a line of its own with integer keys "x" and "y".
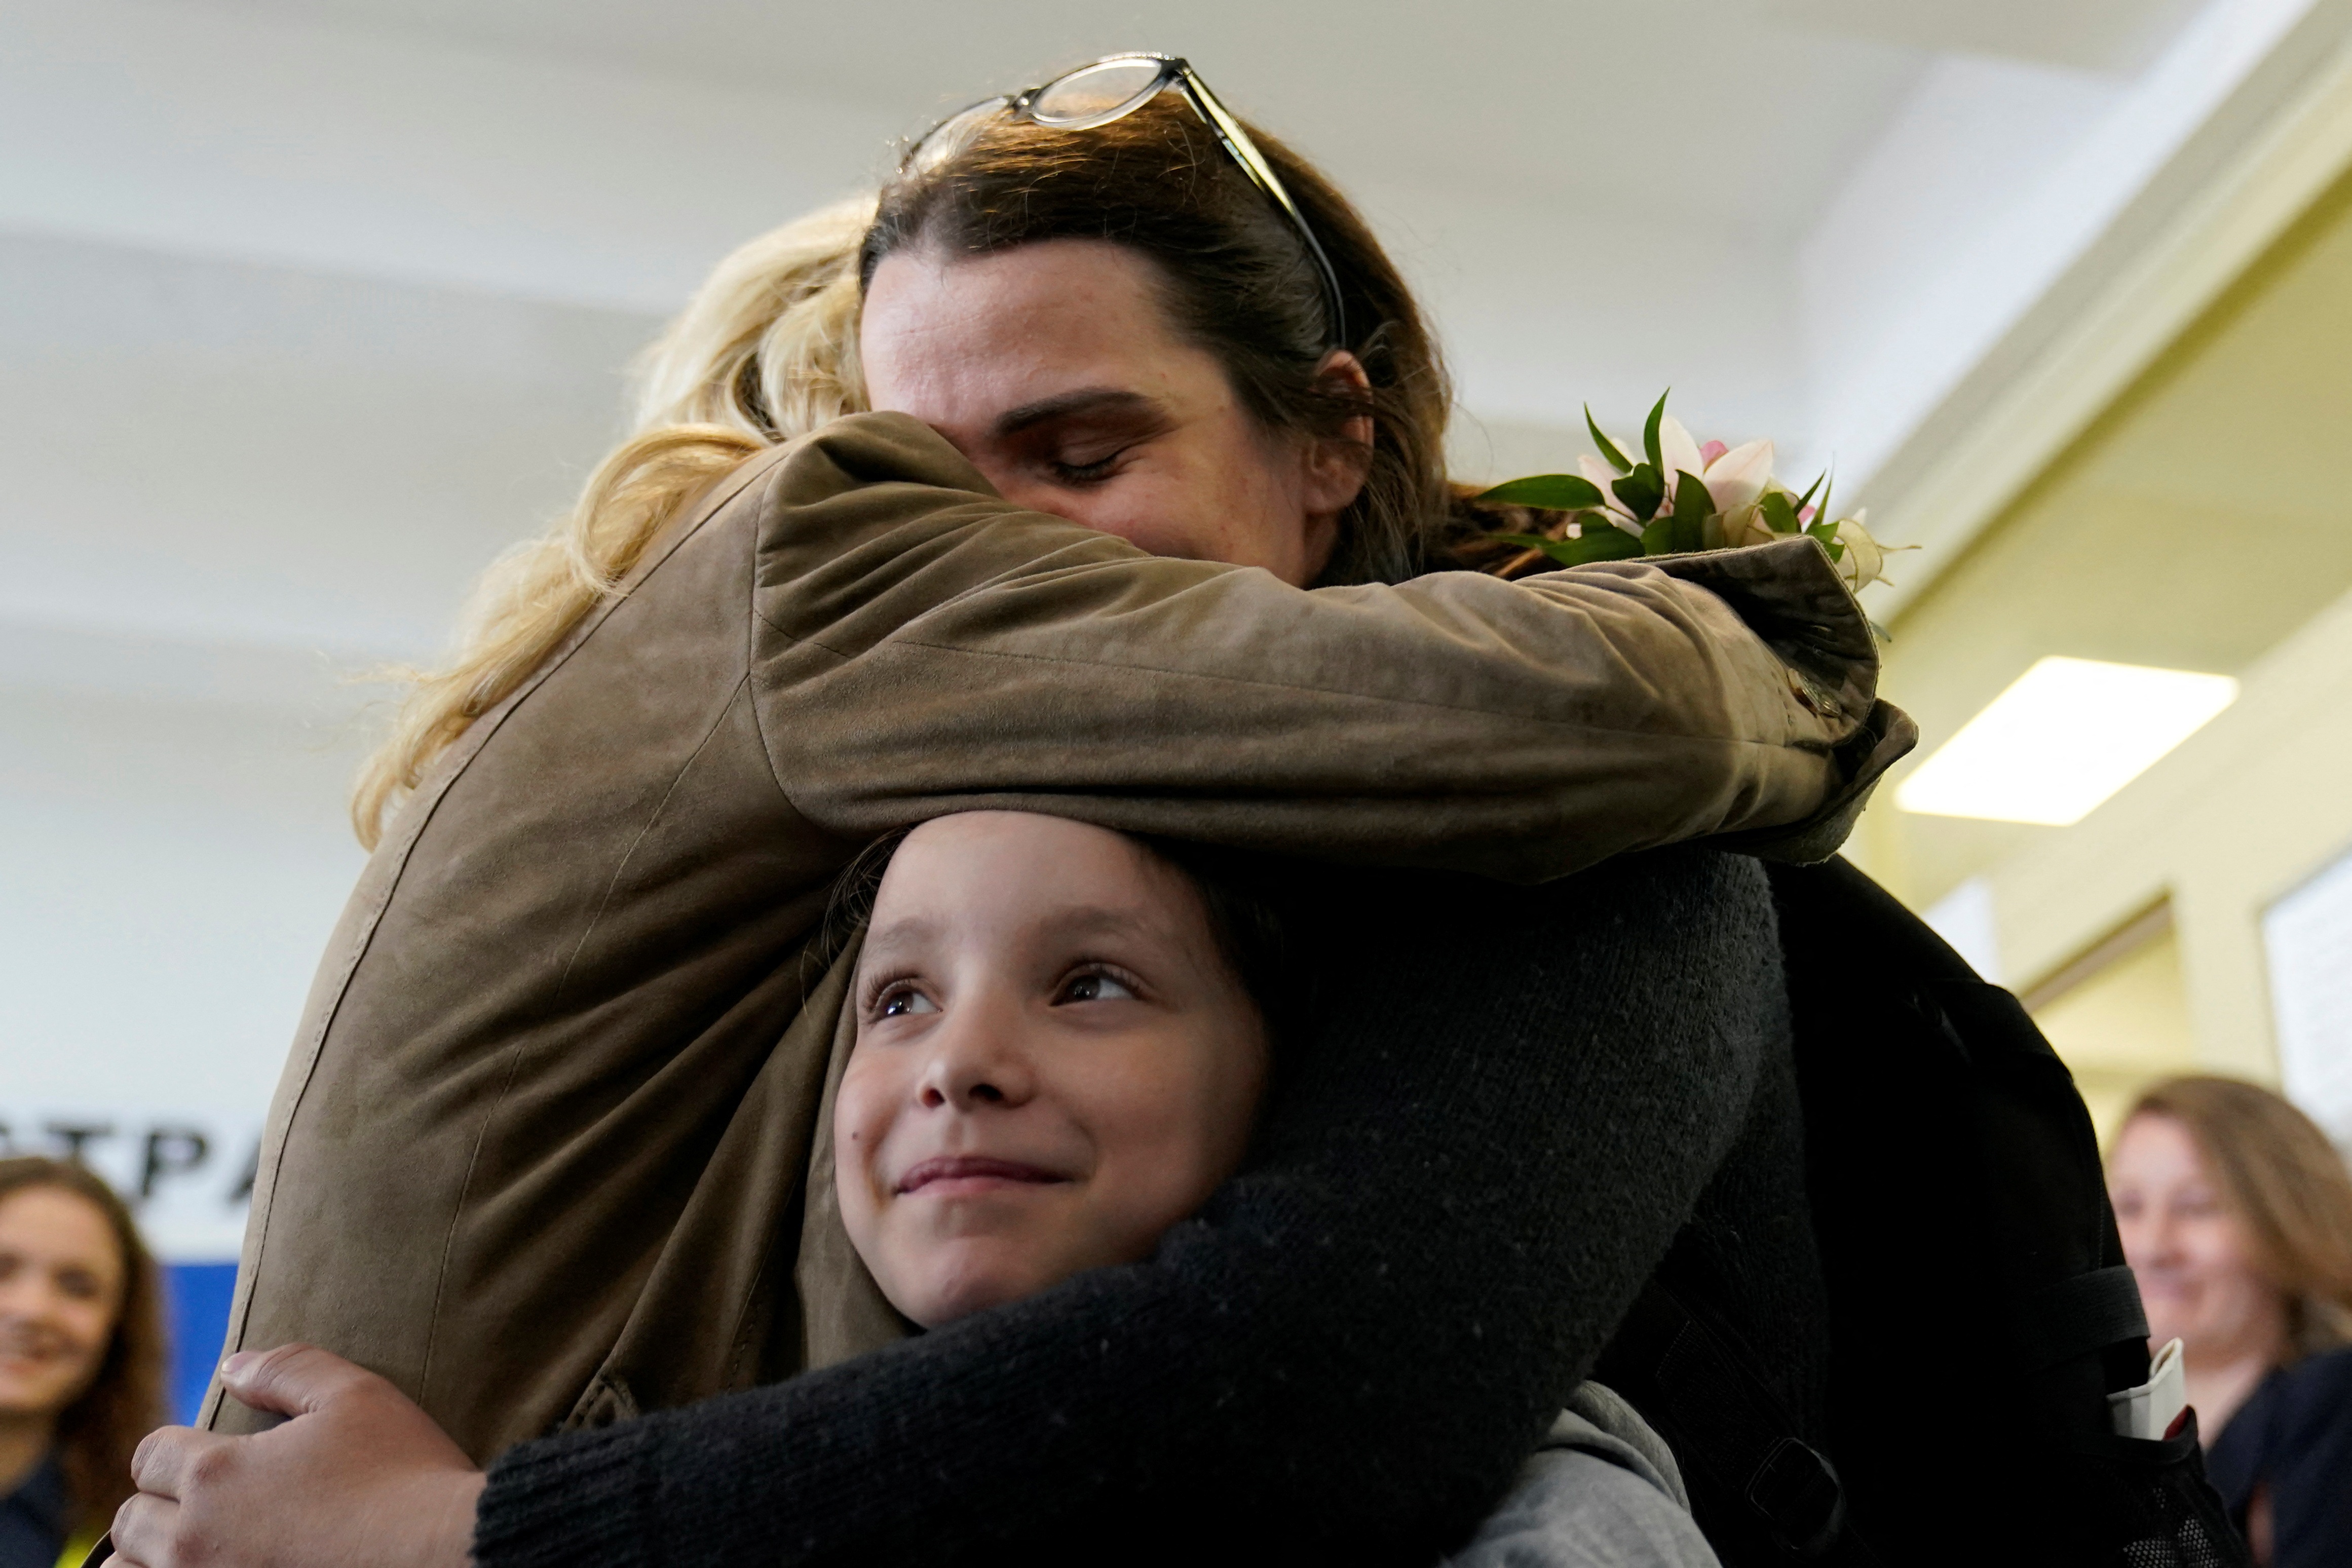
{"x": 2236, "y": 1215}
{"x": 81, "y": 1359}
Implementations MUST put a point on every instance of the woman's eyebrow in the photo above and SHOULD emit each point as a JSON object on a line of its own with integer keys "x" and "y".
{"x": 1062, "y": 405}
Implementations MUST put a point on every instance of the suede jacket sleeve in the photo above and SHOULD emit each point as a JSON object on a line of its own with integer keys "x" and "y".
{"x": 924, "y": 652}
{"x": 536, "y": 1151}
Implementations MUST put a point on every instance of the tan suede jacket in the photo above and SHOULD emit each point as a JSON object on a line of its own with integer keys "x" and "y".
{"x": 544, "y": 1141}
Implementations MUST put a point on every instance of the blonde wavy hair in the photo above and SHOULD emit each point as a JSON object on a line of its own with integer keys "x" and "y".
{"x": 766, "y": 350}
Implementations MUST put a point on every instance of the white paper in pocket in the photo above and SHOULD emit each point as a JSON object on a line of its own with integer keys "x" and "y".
{"x": 2149, "y": 1410}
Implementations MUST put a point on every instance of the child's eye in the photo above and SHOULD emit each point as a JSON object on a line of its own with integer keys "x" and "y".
{"x": 1096, "y": 987}
{"x": 904, "y": 1002}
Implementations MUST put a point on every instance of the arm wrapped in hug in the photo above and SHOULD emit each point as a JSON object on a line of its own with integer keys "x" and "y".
{"x": 932, "y": 659}
{"x": 1347, "y": 1356}
{"x": 555, "y": 1092}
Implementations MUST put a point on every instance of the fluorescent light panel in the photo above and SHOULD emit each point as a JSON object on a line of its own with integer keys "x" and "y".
{"x": 2065, "y": 736}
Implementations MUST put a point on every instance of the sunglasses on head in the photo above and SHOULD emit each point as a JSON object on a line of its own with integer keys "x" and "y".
{"x": 1111, "y": 88}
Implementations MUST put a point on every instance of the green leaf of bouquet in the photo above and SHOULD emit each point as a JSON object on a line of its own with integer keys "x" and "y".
{"x": 1602, "y": 541}
{"x": 1807, "y": 498}
{"x": 1691, "y": 497}
{"x": 1649, "y": 430}
{"x": 1641, "y": 490}
{"x": 1780, "y": 514}
{"x": 1827, "y": 534}
{"x": 1607, "y": 541}
{"x": 1608, "y": 448}
{"x": 1546, "y": 492}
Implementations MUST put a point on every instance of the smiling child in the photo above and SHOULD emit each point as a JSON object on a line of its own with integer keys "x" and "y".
{"x": 1063, "y": 1036}
{"x": 1056, "y": 1061}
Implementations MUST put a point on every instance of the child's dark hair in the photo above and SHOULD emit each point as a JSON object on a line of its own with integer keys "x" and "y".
{"x": 1256, "y": 923}
{"x": 1251, "y": 913}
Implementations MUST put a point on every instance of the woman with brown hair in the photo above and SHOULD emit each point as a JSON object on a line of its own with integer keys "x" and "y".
{"x": 81, "y": 1359}
{"x": 2236, "y": 1215}
{"x": 1151, "y": 531}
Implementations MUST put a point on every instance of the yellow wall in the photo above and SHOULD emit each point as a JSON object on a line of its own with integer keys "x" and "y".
{"x": 2203, "y": 522}
{"x": 2243, "y": 811}
{"x": 2124, "y": 1027}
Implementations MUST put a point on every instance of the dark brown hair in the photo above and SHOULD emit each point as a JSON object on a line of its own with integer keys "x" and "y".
{"x": 1238, "y": 281}
{"x": 2286, "y": 1183}
{"x": 124, "y": 1402}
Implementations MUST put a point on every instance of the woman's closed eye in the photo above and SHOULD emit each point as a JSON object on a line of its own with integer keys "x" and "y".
{"x": 1083, "y": 438}
{"x": 1093, "y": 472}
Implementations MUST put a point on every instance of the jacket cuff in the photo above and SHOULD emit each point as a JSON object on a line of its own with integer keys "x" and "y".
{"x": 1789, "y": 595}
{"x": 1887, "y": 733}
{"x": 582, "y": 1498}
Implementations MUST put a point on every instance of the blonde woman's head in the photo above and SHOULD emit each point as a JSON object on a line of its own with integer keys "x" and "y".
{"x": 767, "y": 345}
{"x": 765, "y": 350}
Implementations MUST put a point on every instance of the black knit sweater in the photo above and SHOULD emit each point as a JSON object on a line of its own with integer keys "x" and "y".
{"x": 1508, "y": 1106}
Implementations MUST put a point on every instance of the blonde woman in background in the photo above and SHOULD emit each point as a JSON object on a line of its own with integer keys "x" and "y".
{"x": 2236, "y": 1215}
{"x": 81, "y": 1359}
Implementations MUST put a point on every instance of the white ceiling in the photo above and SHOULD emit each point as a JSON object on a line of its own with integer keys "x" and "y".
{"x": 216, "y": 453}
{"x": 1750, "y": 109}
{"x": 1622, "y": 103}
{"x": 2114, "y": 35}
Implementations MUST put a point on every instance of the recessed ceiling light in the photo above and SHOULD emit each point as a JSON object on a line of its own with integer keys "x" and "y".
{"x": 2065, "y": 736}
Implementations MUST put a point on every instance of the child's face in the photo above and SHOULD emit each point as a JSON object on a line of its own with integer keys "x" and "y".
{"x": 1054, "y": 1063}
